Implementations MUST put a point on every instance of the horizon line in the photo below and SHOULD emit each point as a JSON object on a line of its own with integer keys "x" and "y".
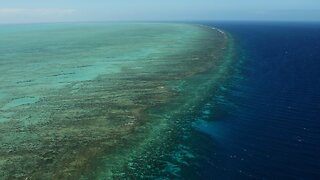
{"x": 164, "y": 21}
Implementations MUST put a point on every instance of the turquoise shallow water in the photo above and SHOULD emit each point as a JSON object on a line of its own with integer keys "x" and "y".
{"x": 99, "y": 100}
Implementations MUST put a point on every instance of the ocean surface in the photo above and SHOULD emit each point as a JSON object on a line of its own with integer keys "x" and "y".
{"x": 160, "y": 101}
{"x": 264, "y": 123}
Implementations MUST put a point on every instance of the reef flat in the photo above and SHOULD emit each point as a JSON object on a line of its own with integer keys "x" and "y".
{"x": 104, "y": 100}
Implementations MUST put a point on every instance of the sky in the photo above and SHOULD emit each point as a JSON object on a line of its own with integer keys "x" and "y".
{"x": 34, "y": 11}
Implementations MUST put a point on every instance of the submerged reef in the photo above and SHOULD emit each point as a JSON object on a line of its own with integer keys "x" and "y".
{"x": 104, "y": 100}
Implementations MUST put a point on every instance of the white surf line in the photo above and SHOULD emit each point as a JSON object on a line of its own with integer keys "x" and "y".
{"x": 214, "y": 28}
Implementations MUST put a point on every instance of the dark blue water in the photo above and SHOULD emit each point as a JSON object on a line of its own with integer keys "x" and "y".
{"x": 266, "y": 124}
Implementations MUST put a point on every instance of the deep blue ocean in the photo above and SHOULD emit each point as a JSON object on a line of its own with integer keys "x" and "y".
{"x": 266, "y": 120}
